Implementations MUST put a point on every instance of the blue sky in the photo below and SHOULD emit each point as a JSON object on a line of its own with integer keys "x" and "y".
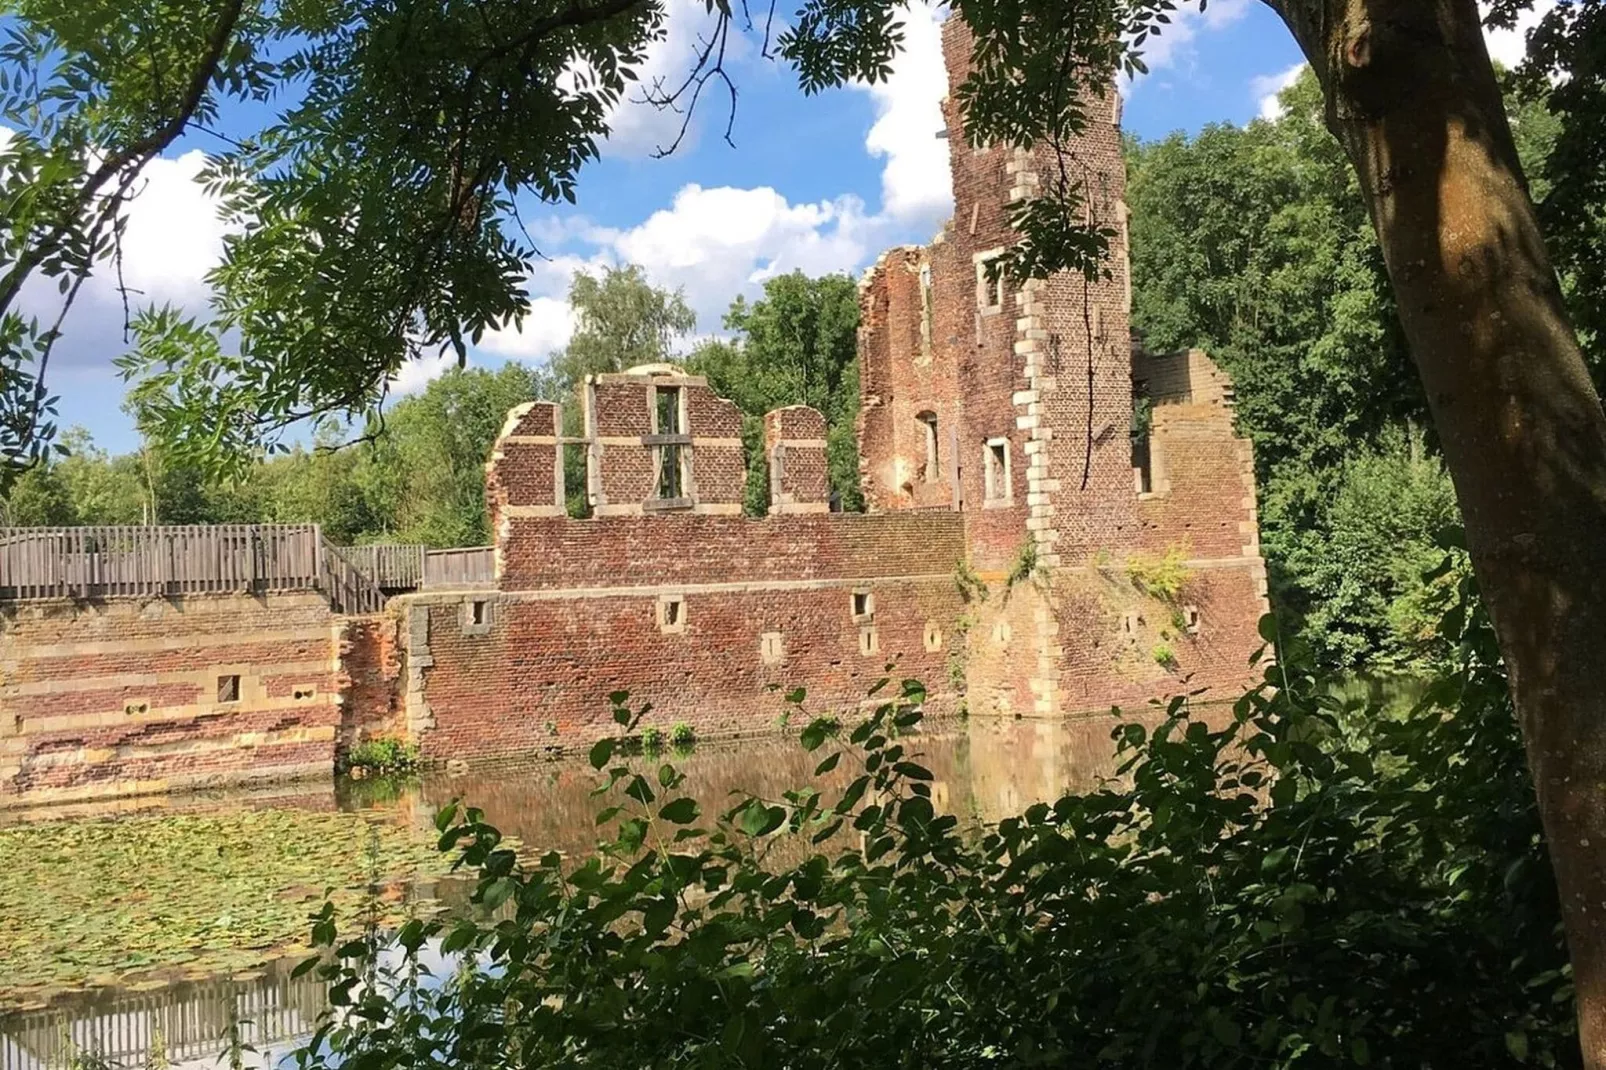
{"x": 820, "y": 184}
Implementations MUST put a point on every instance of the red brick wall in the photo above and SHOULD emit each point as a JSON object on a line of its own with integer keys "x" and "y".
{"x": 121, "y": 696}
{"x": 541, "y": 675}
{"x": 544, "y": 554}
{"x": 1047, "y": 368}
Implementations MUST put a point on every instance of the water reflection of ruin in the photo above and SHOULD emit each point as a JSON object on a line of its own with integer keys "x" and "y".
{"x": 193, "y": 1022}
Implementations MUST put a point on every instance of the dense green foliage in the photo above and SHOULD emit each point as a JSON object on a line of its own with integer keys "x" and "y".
{"x": 1254, "y": 244}
{"x": 1301, "y": 881}
{"x": 422, "y": 480}
{"x": 376, "y": 163}
{"x": 796, "y": 345}
{"x": 418, "y": 475}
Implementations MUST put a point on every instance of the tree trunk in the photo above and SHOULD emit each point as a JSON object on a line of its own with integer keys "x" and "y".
{"x": 1412, "y": 96}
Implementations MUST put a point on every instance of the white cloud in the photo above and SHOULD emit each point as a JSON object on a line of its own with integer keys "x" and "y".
{"x": 637, "y": 127}
{"x": 715, "y": 243}
{"x": 421, "y": 371}
{"x": 915, "y": 183}
{"x": 1175, "y": 45}
{"x": 1266, "y": 87}
{"x": 173, "y": 235}
{"x": 1510, "y": 47}
{"x": 547, "y": 328}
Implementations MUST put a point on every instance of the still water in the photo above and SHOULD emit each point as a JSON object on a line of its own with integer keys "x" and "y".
{"x": 983, "y": 770}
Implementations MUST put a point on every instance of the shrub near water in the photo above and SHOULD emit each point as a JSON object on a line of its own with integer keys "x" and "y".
{"x": 1269, "y": 893}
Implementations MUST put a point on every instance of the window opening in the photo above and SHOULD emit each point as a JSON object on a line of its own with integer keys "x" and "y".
{"x": 228, "y": 688}
{"x": 928, "y": 421}
{"x": 667, "y": 421}
{"x": 925, "y": 309}
{"x": 477, "y": 612}
{"x": 771, "y": 648}
{"x": 1142, "y": 448}
{"x": 863, "y": 605}
{"x": 989, "y": 291}
{"x": 996, "y": 476}
{"x": 1190, "y": 619}
{"x": 672, "y": 613}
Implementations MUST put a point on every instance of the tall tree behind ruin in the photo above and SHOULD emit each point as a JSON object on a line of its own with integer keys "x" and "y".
{"x": 377, "y": 211}
{"x": 796, "y": 345}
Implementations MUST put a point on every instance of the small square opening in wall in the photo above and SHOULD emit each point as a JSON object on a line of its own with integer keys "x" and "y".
{"x": 477, "y": 616}
{"x": 1190, "y": 619}
{"x": 304, "y": 692}
{"x": 863, "y": 605}
{"x": 1129, "y": 623}
{"x": 933, "y": 637}
{"x": 869, "y": 641}
{"x": 228, "y": 688}
{"x": 771, "y": 648}
{"x": 672, "y": 613}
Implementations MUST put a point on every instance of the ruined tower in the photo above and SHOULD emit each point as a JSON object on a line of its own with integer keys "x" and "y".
{"x": 1108, "y": 502}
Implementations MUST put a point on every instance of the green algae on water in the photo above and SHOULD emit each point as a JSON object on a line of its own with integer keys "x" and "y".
{"x": 87, "y": 901}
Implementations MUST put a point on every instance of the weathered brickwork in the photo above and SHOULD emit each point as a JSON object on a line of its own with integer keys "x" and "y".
{"x": 136, "y": 695}
{"x": 1027, "y": 473}
{"x": 1031, "y": 390}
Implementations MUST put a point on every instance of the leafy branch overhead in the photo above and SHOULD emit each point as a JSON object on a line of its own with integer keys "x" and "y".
{"x": 376, "y": 217}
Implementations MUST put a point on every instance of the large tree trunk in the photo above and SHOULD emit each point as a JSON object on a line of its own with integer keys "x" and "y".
{"x": 1412, "y": 95}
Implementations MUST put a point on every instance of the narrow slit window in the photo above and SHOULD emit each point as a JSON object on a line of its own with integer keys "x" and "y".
{"x": 925, "y": 309}
{"x": 1142, "y": 447}
{"x": 672, "y": 614}
{"x": 477, "y": 612}
{"x": 989, "y": 287}
{"x": 228, "y": 688}
{"x": 928, "y": 424}
{"x": 996, "y": 477}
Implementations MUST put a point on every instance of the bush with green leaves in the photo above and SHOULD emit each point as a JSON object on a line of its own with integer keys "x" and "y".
{"x": 382, "y": 756}
{"x": 1299, "y": 880}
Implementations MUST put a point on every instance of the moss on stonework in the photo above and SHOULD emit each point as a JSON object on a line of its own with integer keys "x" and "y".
{"x": 90, "y": 901}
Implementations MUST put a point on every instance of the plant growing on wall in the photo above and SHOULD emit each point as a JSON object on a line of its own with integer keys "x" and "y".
{"x": 1161, "y": 577}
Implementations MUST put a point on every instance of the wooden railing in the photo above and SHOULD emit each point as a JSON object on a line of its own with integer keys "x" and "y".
{"x": 394, "y": 567}
{"x": 103, "y": 562}
{"x": 468, "y": 566}
{"x": 94, "y": 562}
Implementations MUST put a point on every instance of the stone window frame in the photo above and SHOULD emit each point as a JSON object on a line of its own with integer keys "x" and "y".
{"x": 477, "y": 616}
{"x": 929, "y": 425}
{"x": 997, "y": 471}
{"x": 230, "y": 688}
{"x": 660, "y": 440}
{"x": 867, "y": 613}
{"x": 1191, "y": 619}
{"x": 869, "y": 641}
{"x": 671, "y": 613}
{"x": 771, "y": 648}
{"x": 990, "y": 296}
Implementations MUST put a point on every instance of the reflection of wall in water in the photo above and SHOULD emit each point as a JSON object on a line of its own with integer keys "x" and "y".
{"x": 191, "y": 1020}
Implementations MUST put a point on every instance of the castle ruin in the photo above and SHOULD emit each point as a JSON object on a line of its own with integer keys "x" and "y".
{"x": 1030, "y": 550}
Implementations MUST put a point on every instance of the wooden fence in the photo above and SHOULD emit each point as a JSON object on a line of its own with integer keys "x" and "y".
{"x": 102, "y": 562}
{"x": 392, "y": 566}
{"x": 469, "y": 566}
{"x": 93, "y": 562}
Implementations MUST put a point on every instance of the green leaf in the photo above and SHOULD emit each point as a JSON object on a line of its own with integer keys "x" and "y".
{"x": 601, "y": 752}
{"x": 828, "y": 764}
{"x": 681, "y": 811}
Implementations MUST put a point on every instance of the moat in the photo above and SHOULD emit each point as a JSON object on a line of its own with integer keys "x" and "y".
{"x": 175, "y": 922}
